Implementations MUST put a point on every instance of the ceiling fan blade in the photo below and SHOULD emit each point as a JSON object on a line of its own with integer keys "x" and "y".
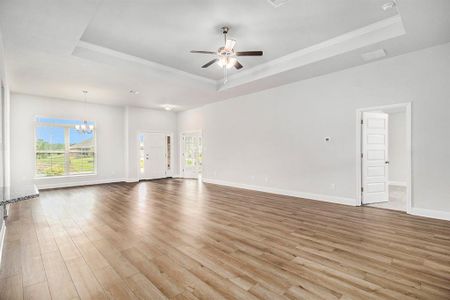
{"x": 249, "y": 53}
{"x": 203, "y": 52}
{"x": 210, "y": 63}
{"x": 230, "y": 44}
{"x": 238, "y": 65}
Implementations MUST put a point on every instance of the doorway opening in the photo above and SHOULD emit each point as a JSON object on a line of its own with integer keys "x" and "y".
{"x": 191, "y": 154}
{"x": 384, "y": 157}
{"x": 155, "y": 155}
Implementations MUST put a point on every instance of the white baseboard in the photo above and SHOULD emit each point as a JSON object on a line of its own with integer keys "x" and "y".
{"x": 430, "y": 213}
{"x": 131, "y": 180}
{"x": 78, "y": 183}
{"x": 317, "y": 197}
{"x": 2, "y": 238}
{"x": 397, "y": 183}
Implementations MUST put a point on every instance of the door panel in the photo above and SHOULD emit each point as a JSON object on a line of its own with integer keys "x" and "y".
{"x": 375, "y": 167}
{"x": 191, "y": 156}
{"x": 154, "y": 156}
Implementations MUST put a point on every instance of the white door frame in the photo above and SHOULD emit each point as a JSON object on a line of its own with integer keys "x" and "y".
{"x": 359, "y": 112}
{"x": 166, "y": 133}
{"x": 181, "y": 146}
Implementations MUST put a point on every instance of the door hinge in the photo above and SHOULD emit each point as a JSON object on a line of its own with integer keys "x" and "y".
{"x": 362, "y": 189}
{"x": 362, "y": 121}
{"x": 362, "y": 155}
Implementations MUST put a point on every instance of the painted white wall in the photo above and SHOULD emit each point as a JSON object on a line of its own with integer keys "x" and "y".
{"x": 146, "y": 120}
{"x": 117, "y": 131}
{"x": 4, "y": 135}
{"x": 398, "y": 162}
{"x": 109, "y": 121}
{"x": 274, "y": 139}
{"x": 4, "y": 121}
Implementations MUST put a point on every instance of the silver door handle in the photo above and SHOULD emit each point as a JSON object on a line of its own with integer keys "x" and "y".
{"x": 386, "y": 162}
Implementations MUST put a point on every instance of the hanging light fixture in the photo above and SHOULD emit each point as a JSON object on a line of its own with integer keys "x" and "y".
{"x": 84, "y": 127}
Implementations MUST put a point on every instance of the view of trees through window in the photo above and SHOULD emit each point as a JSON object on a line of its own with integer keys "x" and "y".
{"x": 62, "y": 150}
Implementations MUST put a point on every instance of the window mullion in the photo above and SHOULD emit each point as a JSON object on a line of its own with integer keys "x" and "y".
{"x": 66, "y": 150}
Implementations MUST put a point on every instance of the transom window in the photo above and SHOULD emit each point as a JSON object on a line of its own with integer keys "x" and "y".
{"x": 61, "y": 150}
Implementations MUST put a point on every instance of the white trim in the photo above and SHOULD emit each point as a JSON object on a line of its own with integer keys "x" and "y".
{"x": 79, "y": 183}
{"x": 129, "y": 180}
{"x": 430, "y": 213}
{"x": 374, "y": 33}
{"x": 66, "y": 176}
{"x": 141, "y": 61}
{"x": 2, "y": 238}
{"x": 298, "y": 194}
{"x": 407, "y": 107}
{"x": 398, "y": 183}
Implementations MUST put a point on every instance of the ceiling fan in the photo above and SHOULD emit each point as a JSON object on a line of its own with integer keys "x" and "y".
{"x": 226, "y": 55}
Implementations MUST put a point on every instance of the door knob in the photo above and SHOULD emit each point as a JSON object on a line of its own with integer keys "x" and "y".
{"x": 386, "y": 162}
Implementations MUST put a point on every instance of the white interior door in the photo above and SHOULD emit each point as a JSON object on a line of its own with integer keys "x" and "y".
{"x": 375, "y": 162}
{"x": 191, "y": 154}
{"x": 154, "y": 156}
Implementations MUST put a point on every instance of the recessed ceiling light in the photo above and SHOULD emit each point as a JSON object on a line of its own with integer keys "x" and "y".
{"x": 168, "y": 107}
{"x": 133, "y": 92}
{"x": 388, "y": 5}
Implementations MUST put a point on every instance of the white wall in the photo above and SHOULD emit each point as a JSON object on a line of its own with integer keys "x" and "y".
{"x": 146, "y": 120}
{"x": 398, "y": 162}
{"x": 274, "y": 139}
{"x": 4, "y": 135}
{"x": 109, "y": 121}
{"x": 117, "y": 129}
{"x": 4, "y": 121}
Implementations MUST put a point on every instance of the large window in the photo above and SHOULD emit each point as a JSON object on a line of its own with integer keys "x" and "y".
{"x": 61, "y": 150}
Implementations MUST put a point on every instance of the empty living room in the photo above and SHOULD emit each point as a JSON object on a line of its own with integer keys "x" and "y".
{"x": 204, "y": 149}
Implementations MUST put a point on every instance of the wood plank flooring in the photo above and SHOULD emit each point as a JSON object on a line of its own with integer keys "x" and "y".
{"x": 180, "y": 239}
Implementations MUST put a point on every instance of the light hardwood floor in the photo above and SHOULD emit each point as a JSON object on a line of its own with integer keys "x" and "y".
{"x": 180, "y": 239}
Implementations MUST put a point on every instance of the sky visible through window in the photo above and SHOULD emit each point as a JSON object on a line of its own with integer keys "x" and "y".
{"x": 55, "y": 135}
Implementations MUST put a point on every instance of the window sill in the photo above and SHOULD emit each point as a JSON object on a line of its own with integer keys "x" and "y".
{"x": 66, "y": 176}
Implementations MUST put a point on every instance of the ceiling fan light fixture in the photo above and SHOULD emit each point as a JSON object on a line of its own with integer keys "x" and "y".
{"x": 231, "y": 62}
{"x": 227, "y": 62}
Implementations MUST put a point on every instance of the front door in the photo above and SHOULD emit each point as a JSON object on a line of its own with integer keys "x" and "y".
{"x": 191, "y": 155}
{"x": 375, "y": 162}
{"x": 153, "y": 160}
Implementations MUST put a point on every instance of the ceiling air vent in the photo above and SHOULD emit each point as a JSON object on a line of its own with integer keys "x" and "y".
{"x": 277, "y": 3}
{"x": 377, "y": 54}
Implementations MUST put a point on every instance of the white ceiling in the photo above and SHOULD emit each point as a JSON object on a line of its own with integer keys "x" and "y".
{"x": 57, "y": 48}
{"x": 165, "y": 31}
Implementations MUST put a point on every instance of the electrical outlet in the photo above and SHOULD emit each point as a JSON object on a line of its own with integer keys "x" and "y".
{"x": 333, "y": 186}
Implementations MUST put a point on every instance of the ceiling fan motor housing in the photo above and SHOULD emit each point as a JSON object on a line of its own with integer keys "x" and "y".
{"x": 225, "y": 52}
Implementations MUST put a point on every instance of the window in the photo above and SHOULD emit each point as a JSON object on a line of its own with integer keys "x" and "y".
{"x": 168, "y": 152}
{"x": 61, "y": 150}
{"x": 141, "y": 153}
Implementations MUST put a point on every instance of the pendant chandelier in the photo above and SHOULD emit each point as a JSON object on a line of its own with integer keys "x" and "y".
{"x": 84, "y": 127}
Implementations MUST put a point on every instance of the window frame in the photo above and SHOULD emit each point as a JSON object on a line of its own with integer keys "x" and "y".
{"x": 66, "y": 151}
